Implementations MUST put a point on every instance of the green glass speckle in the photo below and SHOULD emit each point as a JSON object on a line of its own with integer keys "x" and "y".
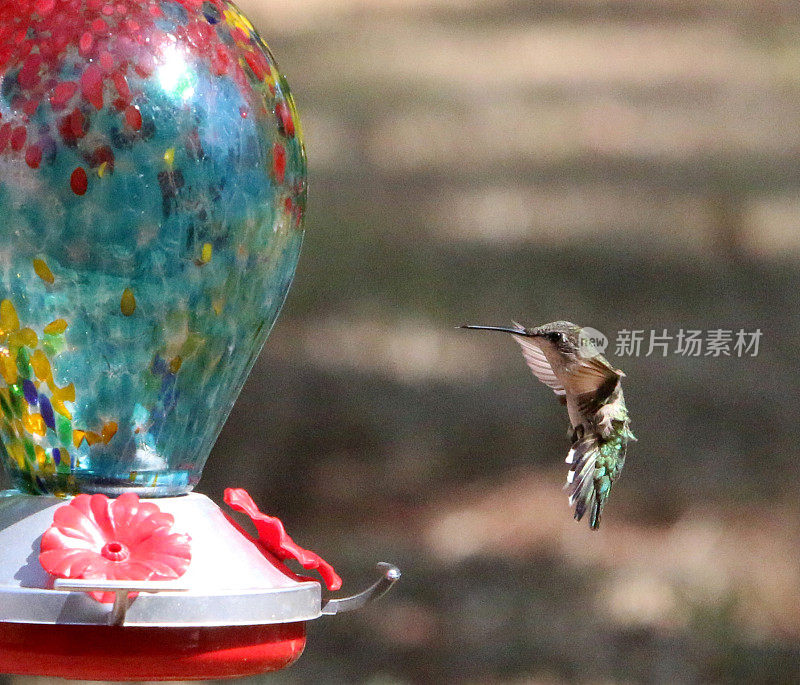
{"x": 53, "y": 344}
{"x": 24, "y": 363}
{"x": 64, "y": 430}
{"x": 151, "y": 382}
{"x": 17, "y": 400}
{"x": 6, "y": 407}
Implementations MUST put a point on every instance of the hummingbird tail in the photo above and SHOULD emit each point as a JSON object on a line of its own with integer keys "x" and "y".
{"x": 582, "y": 458}
{"x": 590, "y": 476}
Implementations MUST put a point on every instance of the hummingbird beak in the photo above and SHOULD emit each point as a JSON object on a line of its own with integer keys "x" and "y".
{"x": 502, "y": 329}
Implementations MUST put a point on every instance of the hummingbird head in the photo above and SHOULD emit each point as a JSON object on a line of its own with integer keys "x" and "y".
{"x": 562, "y": 342}
{"x": 560, "y": 337}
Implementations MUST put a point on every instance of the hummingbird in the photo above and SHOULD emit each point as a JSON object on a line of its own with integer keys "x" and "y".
{"x": 563, "y": 357}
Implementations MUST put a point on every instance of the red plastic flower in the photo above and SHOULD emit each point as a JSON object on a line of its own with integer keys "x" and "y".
{"x": 95, "y": 537}
{"x": 273, "y": 538}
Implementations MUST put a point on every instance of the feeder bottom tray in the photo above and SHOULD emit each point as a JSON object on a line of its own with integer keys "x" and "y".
{"x": 236, "y": 611}
{"x": 128, "y": 653}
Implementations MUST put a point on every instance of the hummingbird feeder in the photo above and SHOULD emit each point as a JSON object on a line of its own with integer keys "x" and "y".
{"x": 152, "y": 190}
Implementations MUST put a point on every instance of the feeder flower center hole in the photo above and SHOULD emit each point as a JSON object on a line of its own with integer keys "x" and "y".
{"x": 115, "y": 551}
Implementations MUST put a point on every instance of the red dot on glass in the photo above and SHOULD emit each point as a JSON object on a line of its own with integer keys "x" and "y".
{"x": 5, "y": 135}
{"x": 106, "y": 62}
{"x": 256, "y": 62}
{"x": 92, "y": 86}
{"x": 284, "y": 115}
{"x": 18, "y": 136}
{"x": 76, "y": 121}
{"x": 78, "y": 181}
{"x": 33, "y": 156}
{"x": 44, "y": 7}
{"x": 133, "y": 117}
{"x": 30, "y": 107}
{"x": 121, "y": 84}
{"x": 279, "y": 162}
{"x": 62, "y": 93}
{"x": 85, "y": 43}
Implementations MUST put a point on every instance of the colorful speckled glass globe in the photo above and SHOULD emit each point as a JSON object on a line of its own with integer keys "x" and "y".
{"x": 152, "y": 188}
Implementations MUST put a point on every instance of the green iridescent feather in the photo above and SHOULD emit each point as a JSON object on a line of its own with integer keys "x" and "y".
{"x": 597, "y": 458}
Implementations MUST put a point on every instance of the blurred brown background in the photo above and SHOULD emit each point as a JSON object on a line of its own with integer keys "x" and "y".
{"x": 619, "y": 163}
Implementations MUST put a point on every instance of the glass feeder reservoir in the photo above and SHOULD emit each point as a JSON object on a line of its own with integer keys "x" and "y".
{"x": 152, "y": 191}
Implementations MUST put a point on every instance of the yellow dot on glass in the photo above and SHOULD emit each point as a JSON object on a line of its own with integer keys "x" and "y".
{"x": 28, "y": 337}
{"x": 8, "y": 368}
{"x": 41, "y": 366}
{"x": 128, "y": 302}
{"x": 9, "y": 321}
{"x": 17, "y": 451}
{"x": 109, "y": 431}
{"x": 61, "y": 408}
{"x": 56, "y": 327}
{"x": 93, "y": 438}
{"x": 43, "y": 271}
{"x": 34, "y": 423}
{"x": 67, "y": 393}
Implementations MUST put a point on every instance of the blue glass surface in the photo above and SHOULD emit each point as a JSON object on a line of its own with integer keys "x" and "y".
{"x": 151, "y": 225}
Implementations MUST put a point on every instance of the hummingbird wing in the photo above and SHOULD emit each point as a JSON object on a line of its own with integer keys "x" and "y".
{"x": 589, "y": 402}
{"x": 537, "y": 362}
{"x": 589, "y": 384}
{"x": 590, "y": 374}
